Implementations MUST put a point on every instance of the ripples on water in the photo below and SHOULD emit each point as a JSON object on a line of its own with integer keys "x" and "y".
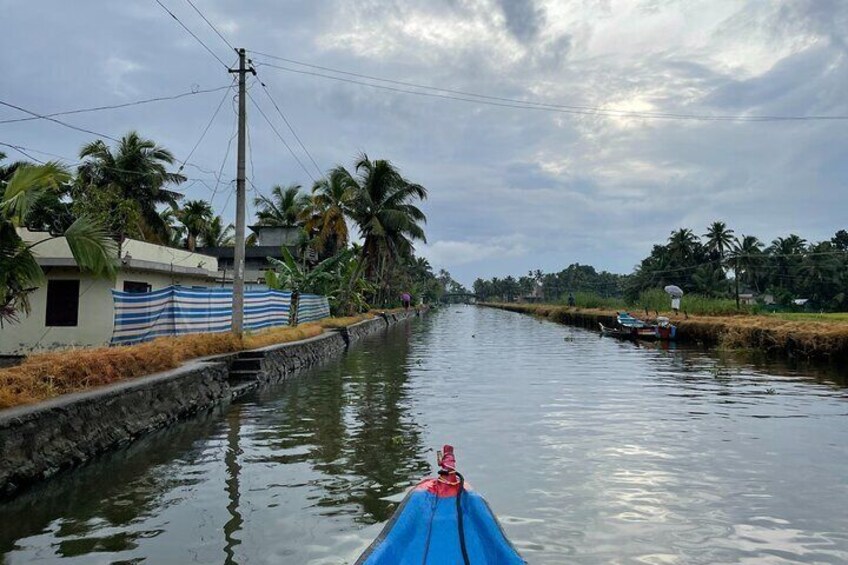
{"x": 590, "y": 450}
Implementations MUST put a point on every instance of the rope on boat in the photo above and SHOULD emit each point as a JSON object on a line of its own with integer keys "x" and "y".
{"x": 459, "y": 524}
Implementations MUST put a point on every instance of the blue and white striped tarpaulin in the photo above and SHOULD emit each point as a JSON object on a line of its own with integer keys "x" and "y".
{"x": 312, "y": 307}
{"x": 177, "y": 310}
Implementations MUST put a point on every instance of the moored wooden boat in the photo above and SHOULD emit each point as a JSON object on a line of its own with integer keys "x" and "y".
{"x": 629, "y": 327}
{"x": 442, "y": 521}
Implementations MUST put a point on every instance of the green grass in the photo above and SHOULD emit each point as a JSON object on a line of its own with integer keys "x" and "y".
{"x": 658, "y": 300}
{"x": 836, "y": 317}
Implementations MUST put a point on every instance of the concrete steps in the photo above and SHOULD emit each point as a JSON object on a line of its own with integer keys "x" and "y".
{"x": 244, "y": 371}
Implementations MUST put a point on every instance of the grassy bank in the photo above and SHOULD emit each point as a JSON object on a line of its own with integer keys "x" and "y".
{"x": 45, "y": 375}
{"x": 658, "y": 300}
{"x": 814, "y": 338}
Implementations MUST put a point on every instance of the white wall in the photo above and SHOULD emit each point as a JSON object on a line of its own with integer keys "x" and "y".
{"x": 96, "y": 312}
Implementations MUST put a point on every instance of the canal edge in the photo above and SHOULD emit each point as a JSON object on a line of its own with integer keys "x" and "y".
{"x": 40, "y": 440}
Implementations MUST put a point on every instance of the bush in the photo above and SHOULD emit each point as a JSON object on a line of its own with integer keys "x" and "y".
{"x": 592, "y": 300}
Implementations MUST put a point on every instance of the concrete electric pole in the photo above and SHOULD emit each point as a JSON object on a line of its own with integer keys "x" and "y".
{"x": 238, "y": 255}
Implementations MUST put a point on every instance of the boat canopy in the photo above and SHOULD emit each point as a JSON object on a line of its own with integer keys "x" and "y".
{"x": 627, "y": 321}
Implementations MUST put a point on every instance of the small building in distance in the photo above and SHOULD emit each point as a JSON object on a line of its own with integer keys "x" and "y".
{"x": 750, "y": 297}
{"x": 75, "y": 309}
{"x": 269, "y": 243}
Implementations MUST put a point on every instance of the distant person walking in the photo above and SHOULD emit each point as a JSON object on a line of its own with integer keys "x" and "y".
{"x": 406, "y": 299}
{"x": 571, "y": 300}
{"x": 676, "y": 294}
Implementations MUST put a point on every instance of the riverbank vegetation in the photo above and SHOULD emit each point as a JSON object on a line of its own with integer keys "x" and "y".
{"x": 817, "y": 339}
{"x": 788, "y": 274}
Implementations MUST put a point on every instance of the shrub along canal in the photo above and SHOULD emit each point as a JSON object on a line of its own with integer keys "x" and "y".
{"x": 589, "y": 450}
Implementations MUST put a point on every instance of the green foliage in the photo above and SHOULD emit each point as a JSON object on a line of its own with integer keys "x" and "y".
{"x": 107, "y": 205}
{"x": 550, "y": 287}
{"x": 196, "y": 217}
{"x": 658, "y": 300}
{"x": 593, "y": 300}
{"x": 135, "y": 171}
{"x": 288, "y": 274}
{"x": 89, "y": 242}
{"x": 284, "y": 208}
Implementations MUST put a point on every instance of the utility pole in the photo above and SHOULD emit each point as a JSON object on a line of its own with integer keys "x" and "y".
{"x": 736, "y": 276}
{"x": 238, "y": 255}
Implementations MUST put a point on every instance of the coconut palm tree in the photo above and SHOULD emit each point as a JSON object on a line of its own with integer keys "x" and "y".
{"x": 719, "y": 239}
{"x": 195, "y": 215}
{"x": 217, "y": 234}
{"x": 786, "y": 255}
{"x": 135, "y": 170}
{"x": 20, "y": 274}
{"x": 710, "y": 280}
{"x": 682, "y": 245}
{"x": 175, "y": 232}
{"x": 332, "y": 197}
{"x": 747, "y": 259}
{"x": 284, "y": 208}
{"x": 384, "y": 210}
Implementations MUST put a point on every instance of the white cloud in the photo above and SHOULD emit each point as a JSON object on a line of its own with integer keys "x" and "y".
{"x": 448, "y": 253}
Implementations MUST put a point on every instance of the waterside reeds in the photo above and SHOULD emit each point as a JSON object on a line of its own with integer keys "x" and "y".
{"x": 771, "y": 334}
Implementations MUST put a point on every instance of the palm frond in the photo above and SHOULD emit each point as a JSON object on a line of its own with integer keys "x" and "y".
{"x": 92, "y": 247}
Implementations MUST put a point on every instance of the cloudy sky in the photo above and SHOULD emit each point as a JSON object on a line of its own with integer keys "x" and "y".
{"x": 510, "y": 188}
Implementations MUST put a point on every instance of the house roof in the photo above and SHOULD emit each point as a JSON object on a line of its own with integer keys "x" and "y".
{"x": 135, "y": 255}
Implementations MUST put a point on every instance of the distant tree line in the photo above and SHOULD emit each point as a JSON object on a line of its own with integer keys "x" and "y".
{"x": 717, "y": 264}
{"x": 788, "y": 268}
{"x": 552, "y": 286}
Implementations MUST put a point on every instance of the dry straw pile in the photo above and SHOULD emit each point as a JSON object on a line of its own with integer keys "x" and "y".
{"x": 825, "y": 339}
{"x": 46, "y": 375}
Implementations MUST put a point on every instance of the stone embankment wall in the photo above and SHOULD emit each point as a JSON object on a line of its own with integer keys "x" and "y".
{"x": 40, "y": 440}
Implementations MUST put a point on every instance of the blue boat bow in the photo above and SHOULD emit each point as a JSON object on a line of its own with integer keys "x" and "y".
{"x": 442, "y": 522}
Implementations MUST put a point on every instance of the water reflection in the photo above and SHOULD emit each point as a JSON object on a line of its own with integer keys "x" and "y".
{"x": 231, "y": 460}
{"x": 590, "y": 450}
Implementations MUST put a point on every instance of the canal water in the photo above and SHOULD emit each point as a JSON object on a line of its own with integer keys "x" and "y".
{"x": 588, "y": 449}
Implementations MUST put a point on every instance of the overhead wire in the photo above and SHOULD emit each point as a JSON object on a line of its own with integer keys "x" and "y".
{"x": 208, "y": 125}
{"x": 185, "y": 27}
{"x": 22, "y": 151}
{"x": 54, "y": 120}
{"x": 224, "y": 162}
{"x": 291, "y": 128}
{"x": 504, "y": 102}
{"x": 117, "y": 106}
{"x": 75, "y": 162}
{"x": 281, "y": 138}
{"x": 215, "y": 29}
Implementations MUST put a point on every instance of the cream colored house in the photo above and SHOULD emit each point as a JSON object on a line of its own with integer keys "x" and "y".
{"x": 76, "y": 309}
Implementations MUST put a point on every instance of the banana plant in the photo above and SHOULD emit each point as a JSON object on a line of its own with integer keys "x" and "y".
{"x": 288, "y": 274}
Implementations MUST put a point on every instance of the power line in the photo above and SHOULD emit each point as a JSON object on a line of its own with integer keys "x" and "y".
{"x": 75, "y": 163}
{"x": 205, "y": 19}
{"x": 20, "y": 149}
{"x": 22, "y": 152}
{"x": 92, "y": 132}
{"x": 224, "y": 161}
{"x": 293, "y": 154}
{"x": 465, "y": 96}
{"x": 117, "y": 106}
{"x": 185, "y": 27}
{"x": 291, "y": 129}
{"x": 206, "y": 129}
{"x": 60, "y": 122}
